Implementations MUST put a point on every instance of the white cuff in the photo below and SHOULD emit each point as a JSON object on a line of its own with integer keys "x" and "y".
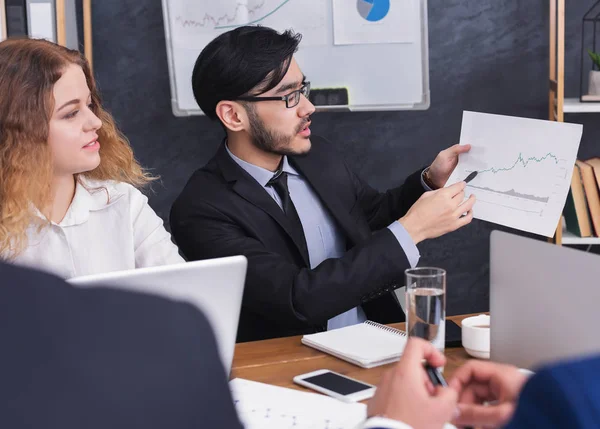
{"x": 383, "y": 423}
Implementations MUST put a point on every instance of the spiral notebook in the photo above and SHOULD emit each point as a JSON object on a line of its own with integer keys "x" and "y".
{"x": 366, "y": 344}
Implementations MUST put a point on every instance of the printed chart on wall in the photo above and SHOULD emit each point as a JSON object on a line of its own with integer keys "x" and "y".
{"x": 524, "y": 169}
{"x": 374, "y": 21}
{"x": 195, "y": 23}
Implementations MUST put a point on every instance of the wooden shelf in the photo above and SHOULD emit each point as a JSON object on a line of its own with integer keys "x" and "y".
{"x": 569, "y": 238}
{"x": 573, "y": 105}
{"x": 558, "y": 105}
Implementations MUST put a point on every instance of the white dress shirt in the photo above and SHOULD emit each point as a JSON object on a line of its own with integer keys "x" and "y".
{"x": 109, "y": 226}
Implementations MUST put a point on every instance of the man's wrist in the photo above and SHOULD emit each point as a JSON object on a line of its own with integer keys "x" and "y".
{"x": 428, "y": 180}
{"x": 411, "y": 228}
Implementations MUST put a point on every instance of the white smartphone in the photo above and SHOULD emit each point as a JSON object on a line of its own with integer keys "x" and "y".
{"x": 336, "y": 385}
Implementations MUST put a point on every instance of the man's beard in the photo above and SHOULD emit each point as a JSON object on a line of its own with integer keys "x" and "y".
{"x": 271, "y": 141}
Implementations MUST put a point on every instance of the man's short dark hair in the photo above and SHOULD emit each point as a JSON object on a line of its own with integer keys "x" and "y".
{"x": 239, "y": 61}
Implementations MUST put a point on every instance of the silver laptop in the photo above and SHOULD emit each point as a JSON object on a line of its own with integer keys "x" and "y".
{"x": 544, "y": 301}
{"x": 215, "y": 286}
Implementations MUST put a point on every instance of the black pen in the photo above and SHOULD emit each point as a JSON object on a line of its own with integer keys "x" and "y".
{"x": 436, "y": 377}
{"x": 470, "y": 176}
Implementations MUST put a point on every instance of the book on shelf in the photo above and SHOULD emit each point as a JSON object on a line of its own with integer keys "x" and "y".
{"x": 576, "y": 209}
{"x": 595, "y": 164}
{"x": 590, "y": 188}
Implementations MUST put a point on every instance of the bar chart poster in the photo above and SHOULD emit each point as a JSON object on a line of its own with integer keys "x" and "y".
{"x": 524, "y": 169}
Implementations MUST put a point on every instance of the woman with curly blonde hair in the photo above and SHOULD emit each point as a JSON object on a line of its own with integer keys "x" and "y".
{"x": 69, "y": 198}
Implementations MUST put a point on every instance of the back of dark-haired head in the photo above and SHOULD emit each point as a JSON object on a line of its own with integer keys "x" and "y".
{"x": 249, "y": 58}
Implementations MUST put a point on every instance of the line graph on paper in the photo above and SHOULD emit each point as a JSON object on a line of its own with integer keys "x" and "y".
{"x": 522, "y": 161}
{"x": 242, "y": 14}
{"x": 193, "y": 18}
{"x": 521, "y": 181}
{"x": 524, "y": 169}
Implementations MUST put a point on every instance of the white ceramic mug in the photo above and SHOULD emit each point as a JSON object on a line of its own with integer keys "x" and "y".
{"x": 476, "y": 336}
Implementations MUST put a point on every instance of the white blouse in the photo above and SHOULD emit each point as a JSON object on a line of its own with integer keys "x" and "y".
{"x": 108, "y": 227}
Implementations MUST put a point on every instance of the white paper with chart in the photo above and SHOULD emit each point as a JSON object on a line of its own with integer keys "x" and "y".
{"x": 524, "y": 169}
{"x": 262, "y": 406}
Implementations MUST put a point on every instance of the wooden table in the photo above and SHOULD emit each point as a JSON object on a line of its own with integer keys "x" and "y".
{"x": 277, "y": 361}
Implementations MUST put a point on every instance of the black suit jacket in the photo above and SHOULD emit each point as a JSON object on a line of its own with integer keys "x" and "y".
{"x": 223, "y": 211}
{"x": 100, "y": 358}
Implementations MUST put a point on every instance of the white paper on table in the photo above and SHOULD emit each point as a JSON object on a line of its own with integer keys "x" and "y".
{"x": 375, "y": 21}
{"x": 263, "y": 406}
{"x": 524, "y": 169}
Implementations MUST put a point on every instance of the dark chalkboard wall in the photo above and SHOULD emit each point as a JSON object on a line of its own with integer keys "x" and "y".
{"x": 485, "y": 55}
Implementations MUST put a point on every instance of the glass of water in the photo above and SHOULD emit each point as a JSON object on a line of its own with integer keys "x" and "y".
{"x": 426, "y": 304}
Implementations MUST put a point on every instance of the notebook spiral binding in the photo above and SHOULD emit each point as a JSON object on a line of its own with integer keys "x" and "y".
{"x": 386, "y": 328}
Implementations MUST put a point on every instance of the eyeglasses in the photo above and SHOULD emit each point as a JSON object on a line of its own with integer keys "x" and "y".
{"x": 291, "y": 100}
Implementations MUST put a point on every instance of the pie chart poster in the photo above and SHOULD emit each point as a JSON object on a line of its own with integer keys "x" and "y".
{"x": 358, "y": 22}
{"x": 373, "y": 10}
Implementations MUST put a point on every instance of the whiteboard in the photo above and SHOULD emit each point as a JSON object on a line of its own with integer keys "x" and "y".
{"x": 378, "y": 75}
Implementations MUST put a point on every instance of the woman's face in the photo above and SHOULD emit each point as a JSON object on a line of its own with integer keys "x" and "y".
{"x": 73, "y": 126}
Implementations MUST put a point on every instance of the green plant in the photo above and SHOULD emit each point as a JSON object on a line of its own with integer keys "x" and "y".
{"x": 595, "y": 58}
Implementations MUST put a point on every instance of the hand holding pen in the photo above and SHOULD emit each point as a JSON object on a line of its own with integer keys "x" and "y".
{"x": 406, "y": 394}
{"x": 437, "y": 379}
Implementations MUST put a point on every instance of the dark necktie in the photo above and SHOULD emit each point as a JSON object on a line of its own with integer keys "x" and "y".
{"x": 279, "y": 183}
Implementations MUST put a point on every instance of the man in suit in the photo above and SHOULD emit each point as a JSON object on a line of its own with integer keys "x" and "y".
{"x": 324, "y": 249}
{"x": 103, "y": 358}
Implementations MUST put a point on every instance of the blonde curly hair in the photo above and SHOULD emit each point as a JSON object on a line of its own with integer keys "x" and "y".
{"x": 29, "y": 69}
